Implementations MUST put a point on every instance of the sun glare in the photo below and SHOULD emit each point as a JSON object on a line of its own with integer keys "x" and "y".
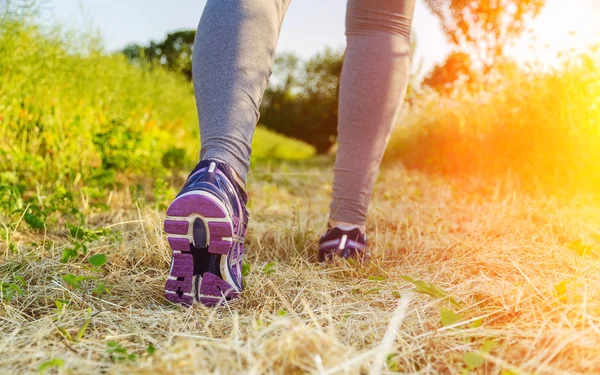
{"x": 562, "y": 27}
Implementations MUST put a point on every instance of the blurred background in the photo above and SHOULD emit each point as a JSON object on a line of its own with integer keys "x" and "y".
{"x": 96, "y": 95}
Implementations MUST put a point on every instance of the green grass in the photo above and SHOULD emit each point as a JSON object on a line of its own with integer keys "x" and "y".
{"x": 75, "y": 119}
{"x": 463, "y": 279}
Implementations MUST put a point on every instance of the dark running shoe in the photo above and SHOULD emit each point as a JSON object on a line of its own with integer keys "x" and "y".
{"x": 344, "y": 244}
{"x": 206, "y": 225}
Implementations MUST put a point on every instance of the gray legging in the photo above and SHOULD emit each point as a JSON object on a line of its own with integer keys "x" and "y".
{"x": 233, "y": 54}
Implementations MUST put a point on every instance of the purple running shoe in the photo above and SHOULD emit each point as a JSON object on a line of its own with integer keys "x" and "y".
{"x": 206, "y": 225}
{"x": 346, "y": 244}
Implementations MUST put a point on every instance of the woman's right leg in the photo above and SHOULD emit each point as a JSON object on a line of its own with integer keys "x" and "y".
{"x": 233, "y": 55}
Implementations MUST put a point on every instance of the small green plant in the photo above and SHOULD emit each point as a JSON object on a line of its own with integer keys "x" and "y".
{"x": 78, "y": 281}
{"x": 74, "y": 281}
{"x": 81, "y": 237}
{"x": 50, "y": 364}
{"x": 269, "y": 268}
{"x": 100, "y": 289}
{"x": 432, "y": 290}
{"x": 13, "y": 288}
{"x": 282, "y": 312}
{"x": 79, "y": 335}
{"x": 61, "y": 307}
{"x": 245, "y": 271}
{"x": 391, "y": 363}
{"x": 475, "y": 359}
{"x": 449, "y": 317}
{"x": 118, "y": 353}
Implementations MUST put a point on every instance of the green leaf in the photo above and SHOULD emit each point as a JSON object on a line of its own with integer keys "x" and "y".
{"x": 432, "y": 290}
{"x": 97, "y": 260}
{"x": 150, "y": 349}
{"x": 74, "y": 281}
{"x": 269, "y": 268}
{"x": 100, "y": 289}
{"x": 76, "y": 231}
{"x": 476, "y": 323}
{"x": 83, "y": 328}
{"x": 473, "y": 360}
{"x": 561, "y": 288}
{"x": 377, "y": 278}
{"x": 282, "y": 312}
{"x": 580, "y": 248}
{"x": 65, "y": 333}
{"x": 245, "y": 268}
{"x": 508, "y": 372}
{"x": 34, "y": 221}
{"x": 68, "y": 255}
{"x": 487, "y": 346}
{"x": 47, "y": 365}
{"x": 391, "y": 363}
{"x": 449, "y": 317}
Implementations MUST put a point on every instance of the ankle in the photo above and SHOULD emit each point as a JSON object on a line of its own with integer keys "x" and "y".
{"x": 236, "y": 176}
{"x": 346, "y": 226}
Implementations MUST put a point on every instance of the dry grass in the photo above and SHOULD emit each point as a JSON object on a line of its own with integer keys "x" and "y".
{"x": 503, "y": 256}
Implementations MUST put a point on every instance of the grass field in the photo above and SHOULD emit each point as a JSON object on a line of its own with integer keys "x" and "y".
{"x": 474, "y": 271}
{"x": 509, "y": 285}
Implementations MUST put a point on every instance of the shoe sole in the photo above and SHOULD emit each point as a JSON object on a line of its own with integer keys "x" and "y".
{"x": 197, "y": 223}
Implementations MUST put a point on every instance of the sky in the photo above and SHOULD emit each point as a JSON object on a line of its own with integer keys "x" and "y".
{"x": 311, "y": 25}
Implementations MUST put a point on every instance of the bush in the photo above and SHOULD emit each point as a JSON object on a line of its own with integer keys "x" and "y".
{"x": 542, "y": 126}
{"x": 73, "y": 117}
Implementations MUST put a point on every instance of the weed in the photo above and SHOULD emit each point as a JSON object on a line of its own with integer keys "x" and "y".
{"x": 118, "y": 353}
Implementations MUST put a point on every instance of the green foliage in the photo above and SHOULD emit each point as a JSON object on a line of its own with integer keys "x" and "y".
{"x": 269, "y": 268}
{"x": 50, "y": 364}
{"x": 118, "y": 353}
{"x": 12, "y": 288}
{"x": 473, "y": 360}
{"x": 304, "y": 104}
{"x": 100, "y": 289}
{"x": 539, "y": 125}
{"x": 74, "y": 281}
{"x": 173, "y": 53}
{"x": 443, "y": 77}
{"x": 97, "y": 260}
{"x": 432, "y": 290}
{"x": 79, "y": 335}
{"x": 81, "y": 237}
{"x": 245, "y": 268}
{"x": 476, "y": 359}
{"x": 449, "y": 317}
{"x": 76, "y": 122}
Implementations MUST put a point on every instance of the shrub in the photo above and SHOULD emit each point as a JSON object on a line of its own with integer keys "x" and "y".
{"x": 542, "y": 126}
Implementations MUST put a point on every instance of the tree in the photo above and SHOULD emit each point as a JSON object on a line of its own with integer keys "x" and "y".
{"x": 174, "y": 53}
{"x": 443, "y": 77}
{"x": 484, "y": 28}
{"x": 302, "y": 101}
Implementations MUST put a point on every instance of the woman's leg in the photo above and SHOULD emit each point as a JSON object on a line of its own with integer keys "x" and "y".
{"x": 372, "y": 90}
{"x": 206, "y": 222}
{"x": 233, "y": 54}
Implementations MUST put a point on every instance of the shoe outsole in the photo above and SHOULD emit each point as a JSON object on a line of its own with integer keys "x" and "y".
{"x": 198, "y": 221}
